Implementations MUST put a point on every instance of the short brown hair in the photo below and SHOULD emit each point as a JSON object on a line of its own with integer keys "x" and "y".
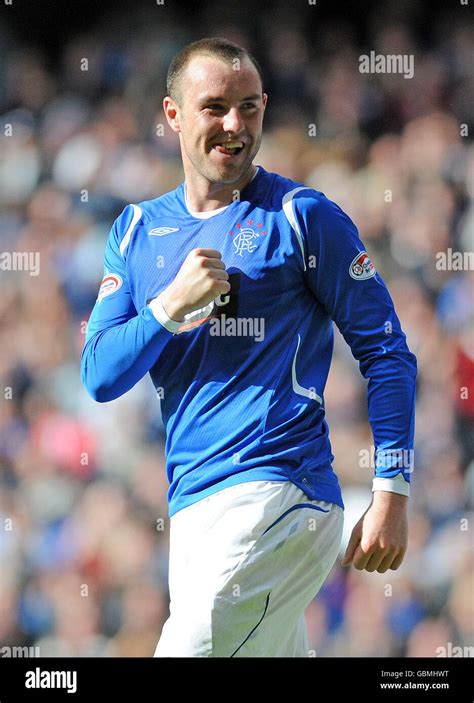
{"x": 211, "y": 46}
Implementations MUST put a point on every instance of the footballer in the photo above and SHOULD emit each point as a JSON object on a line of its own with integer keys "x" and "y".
{"x": 235, "y": 325}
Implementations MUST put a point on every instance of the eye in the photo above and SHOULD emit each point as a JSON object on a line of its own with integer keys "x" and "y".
{"x": 249, "y": 106}
{"x": 214, "y": 107}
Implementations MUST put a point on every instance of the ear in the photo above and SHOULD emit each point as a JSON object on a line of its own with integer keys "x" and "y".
{"x": 264, "y": 100}
{"x": 171, "y": 110}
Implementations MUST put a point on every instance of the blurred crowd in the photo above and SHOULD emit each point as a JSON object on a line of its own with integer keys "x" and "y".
{"x": 83, "y": 511}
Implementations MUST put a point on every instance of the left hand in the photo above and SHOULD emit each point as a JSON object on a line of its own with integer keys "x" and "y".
{"x": 379, "y": 540}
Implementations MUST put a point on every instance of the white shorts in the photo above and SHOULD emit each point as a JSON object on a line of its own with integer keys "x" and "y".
{"x": 245, "y": 562}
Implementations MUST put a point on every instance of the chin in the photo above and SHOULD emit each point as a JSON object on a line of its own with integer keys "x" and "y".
{"x": 231, "y": 179}
{"x": 233, "y": 172}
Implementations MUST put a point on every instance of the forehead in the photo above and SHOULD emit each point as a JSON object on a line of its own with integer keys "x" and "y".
{"x": 210, "y": 75}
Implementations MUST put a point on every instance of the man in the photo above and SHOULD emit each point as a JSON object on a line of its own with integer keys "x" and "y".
{"x": 225, "y": 290}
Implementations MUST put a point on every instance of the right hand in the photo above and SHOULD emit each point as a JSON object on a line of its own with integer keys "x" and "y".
{"x": 201, "y": 278}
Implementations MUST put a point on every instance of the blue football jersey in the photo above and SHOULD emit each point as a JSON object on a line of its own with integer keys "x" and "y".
{"x": 241, "y": 383}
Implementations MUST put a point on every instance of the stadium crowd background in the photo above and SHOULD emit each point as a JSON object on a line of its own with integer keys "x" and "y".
{"x": 83, "y": 514}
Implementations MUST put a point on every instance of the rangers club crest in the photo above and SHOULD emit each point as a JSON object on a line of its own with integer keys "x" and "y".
{"x": 244, "y": 239}
{"x": 361, "y": 267}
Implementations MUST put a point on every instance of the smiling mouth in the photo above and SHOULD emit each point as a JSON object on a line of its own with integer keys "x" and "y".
{"x": 230, "y": 148}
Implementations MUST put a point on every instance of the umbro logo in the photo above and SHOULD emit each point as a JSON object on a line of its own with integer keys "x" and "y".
{"x": 160, "y": 231}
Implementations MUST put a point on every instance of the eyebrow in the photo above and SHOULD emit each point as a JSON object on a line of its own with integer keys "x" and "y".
{"x": 207, "y": 99}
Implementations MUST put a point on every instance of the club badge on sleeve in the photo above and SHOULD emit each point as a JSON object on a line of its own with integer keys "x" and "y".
{"x": 361, "y": 267}
{"x": 110, "y": 283}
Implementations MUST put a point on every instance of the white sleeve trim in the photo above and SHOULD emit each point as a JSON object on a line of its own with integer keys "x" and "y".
{"x": 137, "y": 213}
{"x": 162, "y": 316}
{"x": 287, "y": 205}
{"x": 397, "y": 484}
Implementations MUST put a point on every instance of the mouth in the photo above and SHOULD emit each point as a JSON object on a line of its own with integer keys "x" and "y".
{"x": 229, "y": 148}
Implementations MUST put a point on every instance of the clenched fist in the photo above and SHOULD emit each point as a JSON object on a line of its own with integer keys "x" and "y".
{"x": 201, "y": 278}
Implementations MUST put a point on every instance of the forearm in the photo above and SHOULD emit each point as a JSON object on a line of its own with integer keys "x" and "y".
{"x": 115, "y": 359}
{"x": 391, "y": 400}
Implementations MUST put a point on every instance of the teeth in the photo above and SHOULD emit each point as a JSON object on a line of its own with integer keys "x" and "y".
{"x": 232, "y": 145}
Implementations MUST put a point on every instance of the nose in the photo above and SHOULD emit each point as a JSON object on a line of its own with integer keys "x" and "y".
{"x": 232, "y": 121}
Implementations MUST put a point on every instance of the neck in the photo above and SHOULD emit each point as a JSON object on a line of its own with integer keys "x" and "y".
{"x": 203, "y": 195}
